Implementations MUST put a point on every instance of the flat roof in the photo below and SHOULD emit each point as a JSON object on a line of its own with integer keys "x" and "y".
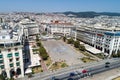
{"x": 92, "y": 49}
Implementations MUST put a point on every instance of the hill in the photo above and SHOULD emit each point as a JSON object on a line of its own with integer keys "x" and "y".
{"x": 90, "y": 14}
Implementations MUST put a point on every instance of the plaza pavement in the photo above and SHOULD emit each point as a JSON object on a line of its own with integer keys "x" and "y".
{"x": 59, "y": 51}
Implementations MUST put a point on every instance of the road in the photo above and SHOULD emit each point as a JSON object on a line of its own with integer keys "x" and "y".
{"x": 90, "y": 71}
{"x": 89, "y": 66}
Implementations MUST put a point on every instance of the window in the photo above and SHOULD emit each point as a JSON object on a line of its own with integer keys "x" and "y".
{"x": 9, "y": 55}
{"x": 2, "y": 66}
{"x": 17, "y": 59}
{"x": 3, "y": 37}
{"x": 1, "y": 61}
{"x": 18, "y": 64}
{"x": 1, "y": 56}
{"x": 16, "y": 54}
{"x": 10, "y": 60}
{"x": 16, "y": 49}
{"x": 9, "y": 50}
{"x": 11, "y": 65}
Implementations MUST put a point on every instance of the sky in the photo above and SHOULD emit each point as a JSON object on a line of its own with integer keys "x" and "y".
{"x": 59, "y": 5}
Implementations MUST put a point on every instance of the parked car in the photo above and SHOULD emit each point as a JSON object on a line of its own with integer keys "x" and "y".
{"x": 107, "y": 64}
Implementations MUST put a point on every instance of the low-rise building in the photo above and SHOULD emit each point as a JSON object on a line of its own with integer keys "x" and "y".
{"x": 60, "y": 28}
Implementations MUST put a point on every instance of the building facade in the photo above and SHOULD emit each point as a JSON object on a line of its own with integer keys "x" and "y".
{"x": 30, "y": 28}
{"x": 60, "y": 28}
{"x": 11, "y": 53}
{"x": 107, "y": 40}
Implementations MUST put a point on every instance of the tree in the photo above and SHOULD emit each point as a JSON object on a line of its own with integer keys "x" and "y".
{"x": 39, "y": 43}
{"x": 44, "y": 33}
{"x": 76, "y": 44}
{"x": 56, "y": 63}
{"x": 2, "y": 77}
{"x": 37, "y": 38}
{"x": 30, "y": 75}
{"x": 118, "y": 54}
{"x": 114, "y": 55}
{"x": 43, "y": 53}
{"x": 64, "y": 39}
{"x": 44, "y": 56}
{"x": 82, "y": 47}
{"x": 70, "y": 41}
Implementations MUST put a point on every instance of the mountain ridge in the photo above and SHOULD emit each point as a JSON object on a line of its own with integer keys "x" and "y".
{"x": 90, "y": 14}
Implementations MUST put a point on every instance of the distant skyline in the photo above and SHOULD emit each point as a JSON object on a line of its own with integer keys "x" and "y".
{"x": 59, "y": 5}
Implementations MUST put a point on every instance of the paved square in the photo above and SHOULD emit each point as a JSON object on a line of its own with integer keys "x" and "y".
{"x": 58, "y": 50}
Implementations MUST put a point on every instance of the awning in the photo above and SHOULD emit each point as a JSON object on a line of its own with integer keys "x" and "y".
{"x": 29, "y": 70}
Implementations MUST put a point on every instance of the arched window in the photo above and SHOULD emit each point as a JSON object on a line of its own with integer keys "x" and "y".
{"x": 12, "y": 73}
{"x": 18, "y": 71}
{"x": 4, "y": 73}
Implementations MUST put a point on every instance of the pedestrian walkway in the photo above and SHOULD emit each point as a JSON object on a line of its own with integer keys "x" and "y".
{"x": 98, "y": 59}
{"x": 51, "y": 65}
{"x": 43, "y": 65}
{"x": 114, "y": 76}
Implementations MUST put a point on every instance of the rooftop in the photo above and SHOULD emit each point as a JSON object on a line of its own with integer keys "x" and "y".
{"x": 8, "y": 35}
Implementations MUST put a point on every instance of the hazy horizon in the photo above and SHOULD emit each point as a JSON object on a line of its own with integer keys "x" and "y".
{"x": 59, "y": 5}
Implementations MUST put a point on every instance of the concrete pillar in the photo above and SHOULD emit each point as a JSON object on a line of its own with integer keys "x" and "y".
{"x": 22, "y": 71}
{"x": 95, "y": 40}
{"x": 116, "y": 51}
{"x": 110, "y": 53}
{"x": 21, "y": 63}
{"x": 8, "y": 73}
{"x": 75, "y": 35}
{"x": 103, "y": 49}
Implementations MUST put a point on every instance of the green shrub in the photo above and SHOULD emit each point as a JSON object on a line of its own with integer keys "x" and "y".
{"x": 2, "y": 77}
{"x": 64, "y": 39}
{"x": 70, "y": 41}
{"x": 43, "y": 53}
{"x": 82, "y": 47}
{"x": 114, "y": 55}
{"x": 76, "y": 44}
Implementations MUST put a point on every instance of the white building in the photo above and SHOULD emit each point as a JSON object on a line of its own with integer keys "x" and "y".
{"x": 11, "y": 56}
{"x": 60, "y": 28}
{"x": 106, "y": 39}
{"x": 30, "y": 27}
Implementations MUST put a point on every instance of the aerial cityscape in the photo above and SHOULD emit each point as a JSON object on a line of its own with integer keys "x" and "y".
{"x": 59, "y": 40}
